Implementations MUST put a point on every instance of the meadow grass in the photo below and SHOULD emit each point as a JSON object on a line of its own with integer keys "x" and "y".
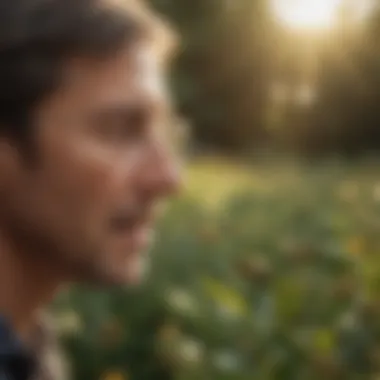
{"x": 261, "y": 271}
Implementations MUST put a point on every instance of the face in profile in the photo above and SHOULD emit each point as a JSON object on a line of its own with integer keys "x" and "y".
{"x": 103, "y": 166}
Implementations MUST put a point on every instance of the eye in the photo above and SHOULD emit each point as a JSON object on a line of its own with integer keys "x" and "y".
{"x": 136, "y": 123}
{"x": 123, "y": 125}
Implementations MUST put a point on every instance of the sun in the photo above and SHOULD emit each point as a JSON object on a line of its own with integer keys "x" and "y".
{"x": 306, "y": 14}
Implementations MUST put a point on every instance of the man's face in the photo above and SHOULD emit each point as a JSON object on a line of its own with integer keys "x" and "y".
{"x": 103, "y": 165}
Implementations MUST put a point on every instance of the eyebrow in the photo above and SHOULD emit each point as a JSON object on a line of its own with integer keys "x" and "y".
{"x": 160, "y": 109}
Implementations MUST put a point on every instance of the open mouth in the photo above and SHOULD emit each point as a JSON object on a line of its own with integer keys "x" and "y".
{"x": 136, "y": 231}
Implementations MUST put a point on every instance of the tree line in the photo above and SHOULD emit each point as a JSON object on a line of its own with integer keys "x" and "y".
{"x": 244, "y": 81}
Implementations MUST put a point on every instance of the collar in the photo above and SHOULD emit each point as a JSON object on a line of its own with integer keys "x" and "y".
{"x": 9, "y": 343}
{"x": 14, "y": 355}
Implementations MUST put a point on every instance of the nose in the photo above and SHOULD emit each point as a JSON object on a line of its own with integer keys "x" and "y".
{"x": 163, "y": 174}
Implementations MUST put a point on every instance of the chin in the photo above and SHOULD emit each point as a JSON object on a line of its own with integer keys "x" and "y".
{"x": 134, "y": 273}
{"x": 137, "y": 272}
{"x": 124, "y": 275}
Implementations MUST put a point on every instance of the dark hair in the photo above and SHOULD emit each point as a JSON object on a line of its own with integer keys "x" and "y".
{"x": 37, "y": 36}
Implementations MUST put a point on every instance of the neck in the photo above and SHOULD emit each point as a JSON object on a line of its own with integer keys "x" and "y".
{"x": 26, "y": 286}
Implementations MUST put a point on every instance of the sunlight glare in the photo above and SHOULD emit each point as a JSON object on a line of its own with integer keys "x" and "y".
{"x": 306, "y": 14}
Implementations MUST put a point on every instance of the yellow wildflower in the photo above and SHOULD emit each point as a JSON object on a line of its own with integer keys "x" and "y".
{"x": 226, "y": 297}
{"x": 114, "y": 375}
{"x": 356, "y": 245}
{"x": 324, "y": 341}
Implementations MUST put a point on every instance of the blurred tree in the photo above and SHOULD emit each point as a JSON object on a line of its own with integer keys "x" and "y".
{"x": 243, "y": 81}
{"x": 346, "y": 115}
{"x": 221, "y": 79}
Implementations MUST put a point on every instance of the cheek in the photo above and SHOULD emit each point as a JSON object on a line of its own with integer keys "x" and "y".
{"x": 100, "y": 176}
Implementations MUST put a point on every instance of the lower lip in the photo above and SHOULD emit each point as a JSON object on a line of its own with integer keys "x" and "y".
{"x": 141, "y": 238}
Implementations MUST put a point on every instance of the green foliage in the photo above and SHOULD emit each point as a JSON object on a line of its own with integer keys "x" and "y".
{"x": 280, "y": 284}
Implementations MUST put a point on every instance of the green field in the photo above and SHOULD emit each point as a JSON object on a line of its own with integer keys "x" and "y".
{"x": 267, "y": 271}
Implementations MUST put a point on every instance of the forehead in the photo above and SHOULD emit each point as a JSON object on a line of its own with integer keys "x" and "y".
{"x": 127, "y": 76}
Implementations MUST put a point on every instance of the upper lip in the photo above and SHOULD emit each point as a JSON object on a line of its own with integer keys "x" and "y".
{"x": 123, "y": 221}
